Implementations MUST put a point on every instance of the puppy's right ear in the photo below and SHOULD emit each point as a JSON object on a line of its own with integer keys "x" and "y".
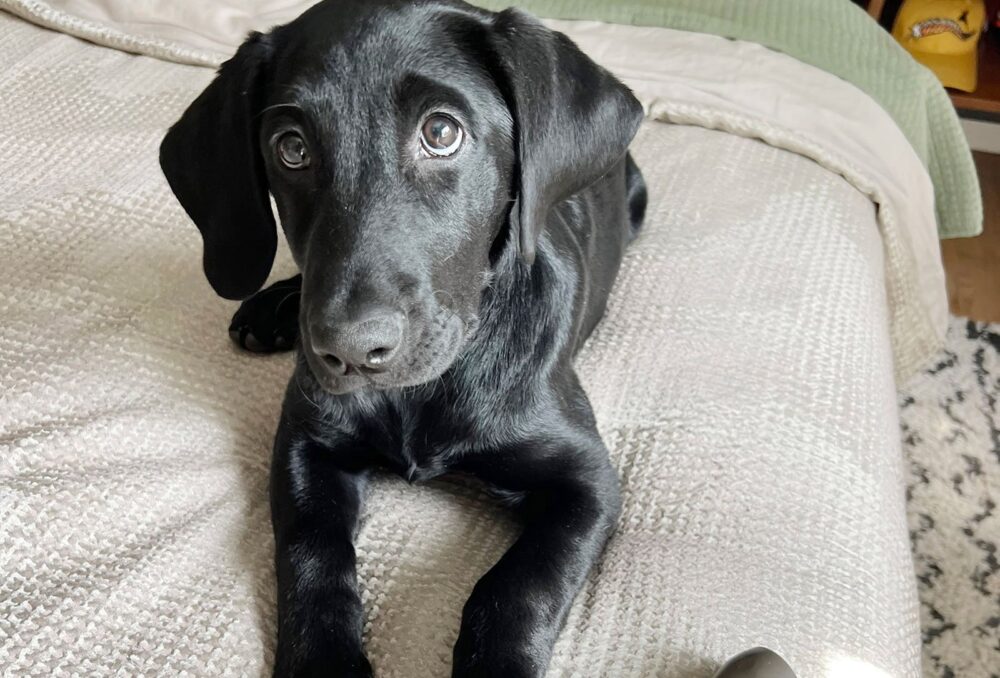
{"x": 212, "y": 161}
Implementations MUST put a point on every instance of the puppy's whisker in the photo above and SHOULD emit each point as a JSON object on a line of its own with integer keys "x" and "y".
{"x": 298, "y": 384}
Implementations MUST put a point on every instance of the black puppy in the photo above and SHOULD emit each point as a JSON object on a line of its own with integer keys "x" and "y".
{"x": 455, "y": 189}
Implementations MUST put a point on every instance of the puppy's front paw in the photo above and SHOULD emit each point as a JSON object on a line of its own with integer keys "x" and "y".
{"x": 502, "y": 636}
{"x": 504, "y": 666}
{"x": 354, "y": 666}
{"x": 479, "y": 658}
{"x": 269, "y": 320}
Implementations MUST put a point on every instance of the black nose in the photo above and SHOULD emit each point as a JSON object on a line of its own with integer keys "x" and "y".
{"x": 371, "y": 341}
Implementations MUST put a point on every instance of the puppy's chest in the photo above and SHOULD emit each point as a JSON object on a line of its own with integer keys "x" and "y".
{"x": 421, "y": 441}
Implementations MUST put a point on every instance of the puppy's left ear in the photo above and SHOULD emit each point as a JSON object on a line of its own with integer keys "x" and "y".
{"x": 573, "y": 120}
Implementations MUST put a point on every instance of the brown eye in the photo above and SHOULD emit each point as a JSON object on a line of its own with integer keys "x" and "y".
{"x": 441, "y": 135}
{"x": 292, "y": 151}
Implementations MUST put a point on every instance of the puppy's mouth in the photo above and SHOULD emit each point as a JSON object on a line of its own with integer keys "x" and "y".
{"x": 422, "y": 358}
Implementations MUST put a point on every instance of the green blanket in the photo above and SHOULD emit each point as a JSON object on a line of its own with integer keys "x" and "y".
{"x": 840, "y": 38}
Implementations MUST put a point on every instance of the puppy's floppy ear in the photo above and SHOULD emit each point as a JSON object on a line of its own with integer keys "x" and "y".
{"x": 573, "y": 120}
{"x": 212, "y": 161}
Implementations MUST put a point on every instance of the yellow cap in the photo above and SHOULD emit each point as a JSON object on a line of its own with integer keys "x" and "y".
{"x": 943, "y": 35}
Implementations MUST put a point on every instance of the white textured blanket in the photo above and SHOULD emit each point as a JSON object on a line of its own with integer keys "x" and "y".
{"x": 758, "y": 447}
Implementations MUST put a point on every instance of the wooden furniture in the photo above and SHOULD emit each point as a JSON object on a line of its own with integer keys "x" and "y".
{"x": 973, "y": 264}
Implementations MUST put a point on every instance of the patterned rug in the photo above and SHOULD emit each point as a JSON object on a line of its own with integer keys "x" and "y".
{"x": 951, "y": 434}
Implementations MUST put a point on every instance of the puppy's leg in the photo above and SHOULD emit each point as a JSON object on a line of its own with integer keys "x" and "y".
{"x": 315, "y": 504}
{"x": 269, "y": 320}
{"x": 517, "y": 609}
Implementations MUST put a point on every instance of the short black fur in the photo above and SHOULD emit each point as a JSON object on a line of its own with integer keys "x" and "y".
{"x": 440, "y": 301}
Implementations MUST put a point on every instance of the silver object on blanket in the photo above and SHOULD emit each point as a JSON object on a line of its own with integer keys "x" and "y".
{"x": 756, "y": 663}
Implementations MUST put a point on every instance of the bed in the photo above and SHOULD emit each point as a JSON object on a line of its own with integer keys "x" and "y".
{"x": 787, "y": 275}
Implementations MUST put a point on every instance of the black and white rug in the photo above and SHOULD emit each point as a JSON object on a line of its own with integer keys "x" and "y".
{"x": 951, "y": 435}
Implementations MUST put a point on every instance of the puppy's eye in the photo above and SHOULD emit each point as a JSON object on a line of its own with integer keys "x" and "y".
{"x": 441, "y": 135}
{"x": 292, "y": 151}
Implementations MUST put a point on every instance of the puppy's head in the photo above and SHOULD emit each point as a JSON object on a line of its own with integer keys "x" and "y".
{"x": 406, "y": 146}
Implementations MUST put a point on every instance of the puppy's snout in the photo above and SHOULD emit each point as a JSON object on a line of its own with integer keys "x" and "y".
{"x": 369, "y": 342}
